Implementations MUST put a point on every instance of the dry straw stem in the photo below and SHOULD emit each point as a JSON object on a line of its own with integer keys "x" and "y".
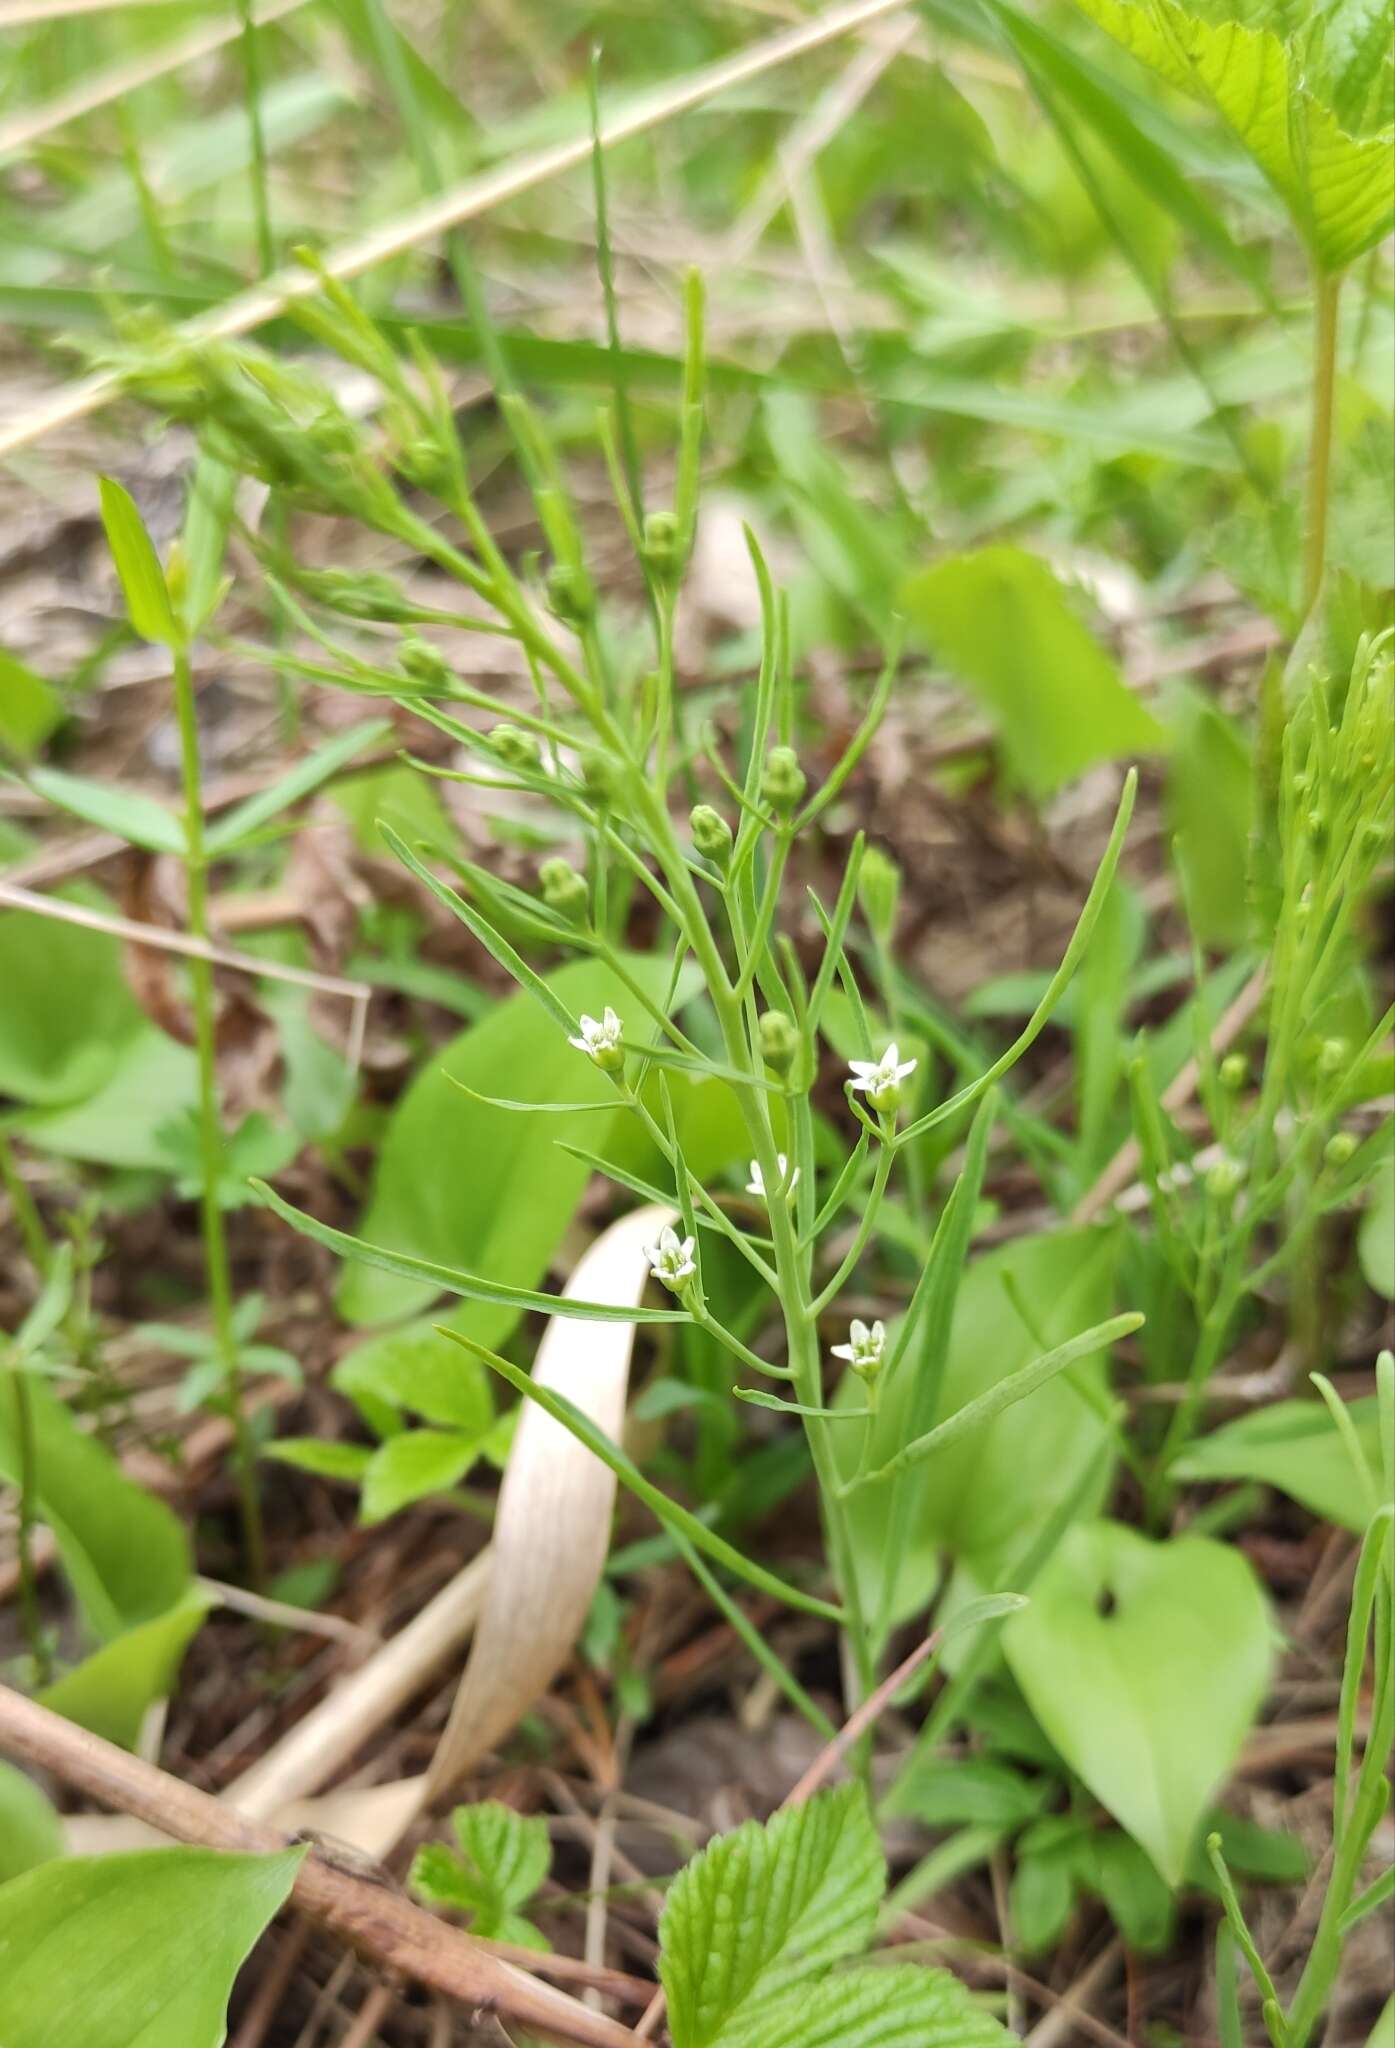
{"x": 22, "y": 130}
{"x": 385, "y": 1929}
{"x": 357, "y": 993}
{"x": 465, "y": 201}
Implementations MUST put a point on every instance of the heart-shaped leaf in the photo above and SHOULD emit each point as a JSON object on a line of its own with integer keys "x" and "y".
{"x": 1145, "y": 1663}
{"x": 1296, "y": 1446}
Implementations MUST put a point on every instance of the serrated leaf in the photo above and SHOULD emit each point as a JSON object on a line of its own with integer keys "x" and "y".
{"x": 137, "y": 564}
{"x": 763, "y": 1909}
{"x": 899, "y": 2006}
{"x": 134, "y": 1951}
{"x": 505, "y": 1856}
{"x": 1338, "y": 187}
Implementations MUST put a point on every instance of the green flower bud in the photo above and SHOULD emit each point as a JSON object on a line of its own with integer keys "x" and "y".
{"x": 661, "y": 543}
{"x": 1339, "y": 1149}
{"x": 357, "y": 593}
{"x": 564, "y": 890}
{"x": 779, "y": 1041}
{"x": 570, "y": 596}
{"x": 424, "y": 663}
{"x": 518, "y": 748}
{"x": 784, "y": 781}
{"x": 879, "y": 887}
{"x": 598, "y": 773}
{"x": 711, "y": 833}
{"x": 1235, "y": 1072}
{"x": 1224, "y": 1179}
{"x": 423, "y": 463}
{"x": 1333, "y": 1055}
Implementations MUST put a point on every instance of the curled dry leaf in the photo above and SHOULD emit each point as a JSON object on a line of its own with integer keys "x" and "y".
{"x": 527, "y": 1595}
{"x": 552, "y": 1526}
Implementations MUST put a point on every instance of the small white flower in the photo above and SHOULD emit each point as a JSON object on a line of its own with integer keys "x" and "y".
{"x": 671, "y": 1259}
{"x": 788, "y": 1181}
{"x": 600, "y": 1040}
{"x": 864, "y": 1348}
{"x": 880, "y": 1080}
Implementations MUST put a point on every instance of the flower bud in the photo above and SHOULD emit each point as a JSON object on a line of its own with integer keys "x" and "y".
{"x": 1333, "y": 1055}
{"x": 518, "y": 748}
{"x": 779, "y": 1041}
{"x": 1224, "y": 1179}
{"x": 1339, "y": 1149}
{"x": 598, "y": 773}
{"x": 879, "y": 887}
{"x": 711, "y": 833}
{"x": 570, "y": 596}
{"x": 784, "y": 781}
{"x": 564, "y": 890}
{"x": 424, "y": 663}
{"x": 1235, "y": 1072}
{"x": 423, "y": 463}
{"x": 356, "y": 593}
{"x": 660, "y": 545}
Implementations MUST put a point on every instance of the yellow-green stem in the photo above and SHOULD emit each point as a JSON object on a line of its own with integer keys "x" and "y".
{"x": 215, "y": 1243}
{"x": 1329, "y": 287}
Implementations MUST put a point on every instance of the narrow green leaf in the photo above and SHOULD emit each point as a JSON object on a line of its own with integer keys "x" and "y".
{"x": 299, "y": 781}
{"x": 142, "y": 579}
{"x": 628, "y": 1473}
{"x": 138, "y": 820}
{"x": 447, "y": 1280}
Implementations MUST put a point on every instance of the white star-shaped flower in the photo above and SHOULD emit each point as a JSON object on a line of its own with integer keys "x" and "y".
{"x": 600, "y": 1040}
{"x": 880, "y": 1080}
{"x": 671, "y": 1259}
{"x": 864, "y": 1348}
{"x": 788, "y": 1181}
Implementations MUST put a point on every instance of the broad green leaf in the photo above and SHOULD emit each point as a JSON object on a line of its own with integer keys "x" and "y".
{"x": 1003, "y": 625}
{"x": 30, "y": 708}
{"x": 1145, "y": 1663}
{"x": 1296, "y": 1446}
{"x": 126, "y": 1554}
{"x": 30, "y": 1831}
{"x": 981, "y": 1499}
{"x": 67, "y": 1012}
{"x": 112, "y": 1689}
{"x": 765, "y": 1909}
{"x": 413, "y": 1466}
{"x": 461, "y": 1184}
{"x": 137, "y": 564}
{"x": 504, "y": 1857}
{"x": 328, "y": 1459}
{"x": 899, "y": 2005}
{"x": 136, "y": 819}
{"x": 122, "y": 1123}
{"x": 1339, "y": 188}
{"x": 1210, "y": 797}
{"x": 134, "y": 1951}
{"x": 416, "y": 1367}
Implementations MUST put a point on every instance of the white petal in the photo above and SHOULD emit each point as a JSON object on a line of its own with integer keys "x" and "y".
{"x": 844, "y": 1351}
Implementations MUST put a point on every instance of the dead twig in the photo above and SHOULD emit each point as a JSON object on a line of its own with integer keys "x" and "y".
{"x": 386, "y": 1930}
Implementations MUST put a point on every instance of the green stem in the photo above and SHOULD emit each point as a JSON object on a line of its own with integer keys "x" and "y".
{"x": 210, "y": 1118}
{"x": 1329, "y": 287}
{"x": 28, "y": 1575}
{"x": 31, "y": 1224}
{"x": 252, "y": 81}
